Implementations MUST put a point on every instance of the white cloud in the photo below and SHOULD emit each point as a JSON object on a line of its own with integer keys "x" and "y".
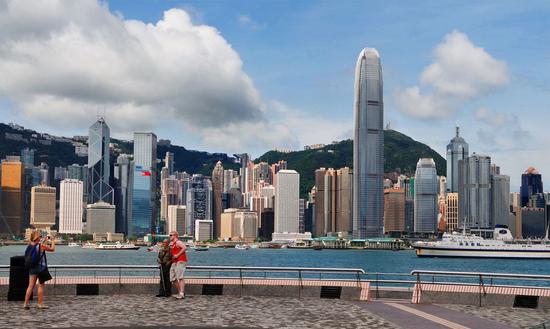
{"x": 246, "y": 20}
{"x": 461, "y": 72}
{"x": 73, "y": 59}
{"x": 501, "y": 131}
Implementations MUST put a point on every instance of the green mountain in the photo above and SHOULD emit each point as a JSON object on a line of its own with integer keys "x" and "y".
{"x": 401, "y": 154}
{"x": 400, "y": 151}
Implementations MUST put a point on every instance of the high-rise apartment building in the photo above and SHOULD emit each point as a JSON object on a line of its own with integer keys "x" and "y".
{"x": 99, "y": 163}
{"x": 170, "y": 194}
{"x": 43, "y": 207}
{"x": 457, "y": 150}
{"x": 287, "y": 195}
{"x": 143, "y": 208}
{"x": 199, "y": 202}
{"x": 425, "y": 196}
{"x": 239, "y": 225}
{"x": 12, "y": 197}
{"x": 217, "y": 188}
{"x": 333, "y": 196}
{"x": 71, "y": 207}
{"x": 475, "y": 192}
{"x": 368, "y": 147}
{"x": 169, "y": 162}
{"x": 228, "y": 176}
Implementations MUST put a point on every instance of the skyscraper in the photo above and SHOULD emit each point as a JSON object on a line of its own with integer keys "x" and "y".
{"x": 368, "y": 147}
{"x": 143, "y": 206}
{"x": 531, "y": 183}
{"x": 99, "y": 163}
{"x": 199, "y": 202}
{"x": 123, "y": 173}
{"x": 217, "y": 188}
{"x": 474, "y": 188}
{"x": 425, "y": 196}
{"x": 71, "y": 207}
{"x": 27, "y": 157}
{"x": 169, "y": 162}
{"x": 11, "y": 214}
{"x": 287, "y": 195}
{"x": 500, "y": 199}
{"x": 457, "y": 150}
{"x": 43, "y": 207}
{"x": 394, "y": 211}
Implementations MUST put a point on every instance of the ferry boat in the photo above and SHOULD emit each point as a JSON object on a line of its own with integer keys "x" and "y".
{"x": 89, "y": 245}
{"x": 116, "y": 246}
{"x": 502, "y": 245}
{"x": 73, "y": 244}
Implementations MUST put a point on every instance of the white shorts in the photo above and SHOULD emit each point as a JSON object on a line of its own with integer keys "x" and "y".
{"x": 177, "y": 271}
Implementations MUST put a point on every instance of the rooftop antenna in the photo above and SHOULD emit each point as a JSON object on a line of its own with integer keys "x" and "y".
{"x": 457, "y": 131}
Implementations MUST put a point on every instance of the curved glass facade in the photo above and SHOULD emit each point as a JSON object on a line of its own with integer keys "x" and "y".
{"x": 368, "y": 147}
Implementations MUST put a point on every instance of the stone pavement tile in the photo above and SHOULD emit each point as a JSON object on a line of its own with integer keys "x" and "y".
{"x": 515, "y": 317}
{"x": 193, "y": 311}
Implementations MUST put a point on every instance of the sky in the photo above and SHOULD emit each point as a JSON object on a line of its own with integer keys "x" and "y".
{"x": 250, "y": 76}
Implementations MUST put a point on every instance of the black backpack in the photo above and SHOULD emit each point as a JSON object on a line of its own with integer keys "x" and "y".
{"x": 32, "y": 258}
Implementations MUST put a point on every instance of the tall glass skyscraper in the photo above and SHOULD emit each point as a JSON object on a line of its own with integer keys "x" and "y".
{"x": 98, "y": 163}
{"x": 368, "y": 147}
{"x": 531, "y": 183}
{"x": 199, "y": 202}
{"x": 143, "y": 206}
{"x": 457, "y": 150}
{"x": 475, "y": 194}
{"x": 425, "y": 196}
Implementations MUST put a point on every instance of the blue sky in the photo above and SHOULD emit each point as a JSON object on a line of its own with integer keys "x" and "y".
{"x": 300, "y": 55}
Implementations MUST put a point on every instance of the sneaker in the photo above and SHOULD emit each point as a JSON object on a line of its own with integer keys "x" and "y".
{"x": 176, "y": 296}
{"x": 42, "y": 306}
{"x": 26, "y": 307}
{"x": 180, "y": 296}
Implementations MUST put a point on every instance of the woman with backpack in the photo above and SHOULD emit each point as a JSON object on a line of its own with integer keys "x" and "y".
{"x": 36, "y": 263}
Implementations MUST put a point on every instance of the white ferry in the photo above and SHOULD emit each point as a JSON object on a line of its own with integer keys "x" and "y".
{"x": 116, "y": 246}
{"x": 73, "y": 244}
{"x": 467, "y": 245}
{"x": 89, "y": 245}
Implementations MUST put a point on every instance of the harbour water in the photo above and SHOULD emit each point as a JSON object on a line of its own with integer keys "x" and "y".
{"x": 382, "y": 261}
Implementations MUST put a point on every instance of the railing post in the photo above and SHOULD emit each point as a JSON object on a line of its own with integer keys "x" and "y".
{"x": 241, "y": 276}
{"x": 481, "y": 288}
{"x": 301, "y": 286}
{"x": 376, "y": 280}
{"x": 54, "y": 279}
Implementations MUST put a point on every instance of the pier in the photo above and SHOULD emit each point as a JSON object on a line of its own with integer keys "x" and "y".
{"x": 284, "y": 297}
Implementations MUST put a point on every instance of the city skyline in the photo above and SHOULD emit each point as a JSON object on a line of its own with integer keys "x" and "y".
{"x": 484, "y": 105}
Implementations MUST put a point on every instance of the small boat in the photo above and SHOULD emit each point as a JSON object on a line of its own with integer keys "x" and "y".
{"x": 116, "y": 246}
{"x": 73, "y": 244}
{"x": 200, "y": 248}
{"x": 317, "y": 247}
{"x": 242, "y": 246}
{"x": 89, "y": 245}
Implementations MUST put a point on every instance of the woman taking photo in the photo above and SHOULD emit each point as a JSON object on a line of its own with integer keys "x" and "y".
{"x": 38, "y": 271}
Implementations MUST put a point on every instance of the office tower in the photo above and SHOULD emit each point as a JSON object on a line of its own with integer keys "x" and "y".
{"x": 425, "y": 196}
{"x": 60, "y": 173}
{"x": 99, "y": 174}
{"x": 44, "y": 174}
{"x": 457, "y": 150}
{"x": 268, "y": 192}
{"x": 500, "y": 199}
{"x": 43, "y": 207}
{"x": 309, "y": 216}
{"x": 176, "y": 219}
{"x": 442, "y": 186}
{"x": 408, "y": 185}
{"x": 143, "y": 206}
{"x": 170, "y": 194}
{"x": 301, "y": 216}
{"x": 394, "y": 211}
{"x": 441, "y": 214}
{"x": 280, "y": 165}
{"x": 533, "y": 223}
{"x": 203, "y": 229}
{"x": 531, "y": 183}
{"x": 199, "y": 201}
{"x": 183, "y": 178}
{"x": 451, "y": 212}
{"x": 27, "y": 157}
{"x": 228, "y": 175}
{"x": 123, "y": 173}
{"x": 169, "y": 162}
{"x": 287, "y": 197}
{"x": 217, "y": 188}
{"x": 344, "y": 198}
{"x": 76, "y": 171}
{"x": 244, "y": 160}
{"x": 12, "y": 197}
{"x": 239, "y": 225}
{"x": 71, "y": 207}
{"x": 100, "y": 218}
{"x": 474, "y": 207}
{"x": 368, "y": 147}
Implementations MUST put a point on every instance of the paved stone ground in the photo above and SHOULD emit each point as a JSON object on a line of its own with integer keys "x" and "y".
{"x": 192, "y": 312}
{"x": 516, "y": 317}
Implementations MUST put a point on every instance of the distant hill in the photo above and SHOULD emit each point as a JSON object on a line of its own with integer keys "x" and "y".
{"x": 400, "y": 151}
{"x": 401, "y": 154}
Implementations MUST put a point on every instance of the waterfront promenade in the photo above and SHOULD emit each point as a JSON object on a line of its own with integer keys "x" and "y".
{"x": 258, "y": 312}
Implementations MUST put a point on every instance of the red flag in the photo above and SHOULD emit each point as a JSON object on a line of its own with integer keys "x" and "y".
{"x": 145, "y": 173}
